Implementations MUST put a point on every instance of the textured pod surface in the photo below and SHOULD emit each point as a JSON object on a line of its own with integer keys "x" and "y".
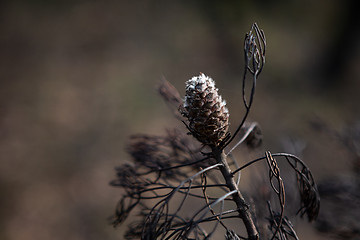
{"x": 205, "y": 110}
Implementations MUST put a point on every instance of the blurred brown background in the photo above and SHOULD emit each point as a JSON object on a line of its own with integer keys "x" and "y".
{"x": 78, "y": 77}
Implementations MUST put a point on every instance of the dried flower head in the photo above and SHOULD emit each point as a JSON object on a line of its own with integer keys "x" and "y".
{"x": 205, "y": 110}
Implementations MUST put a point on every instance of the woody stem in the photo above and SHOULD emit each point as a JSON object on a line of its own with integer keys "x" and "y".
{"x": 243, "y": 208}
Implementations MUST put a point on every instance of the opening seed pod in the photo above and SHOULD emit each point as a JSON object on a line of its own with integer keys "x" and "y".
{"x": 205, "y": 110}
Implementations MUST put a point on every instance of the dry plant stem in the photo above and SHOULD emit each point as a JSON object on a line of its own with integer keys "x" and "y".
{"x": 243, "y": 208}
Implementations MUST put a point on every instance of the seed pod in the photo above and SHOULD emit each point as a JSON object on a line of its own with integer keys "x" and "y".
{"x": 205, "y": 110}
{"x": 254, "y": 135}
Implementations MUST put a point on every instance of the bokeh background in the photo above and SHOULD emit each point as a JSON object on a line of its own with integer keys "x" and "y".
{"x": 79, "y": 77}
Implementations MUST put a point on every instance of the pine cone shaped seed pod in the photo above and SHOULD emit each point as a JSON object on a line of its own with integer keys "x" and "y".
{"x": 206, "y": 111}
